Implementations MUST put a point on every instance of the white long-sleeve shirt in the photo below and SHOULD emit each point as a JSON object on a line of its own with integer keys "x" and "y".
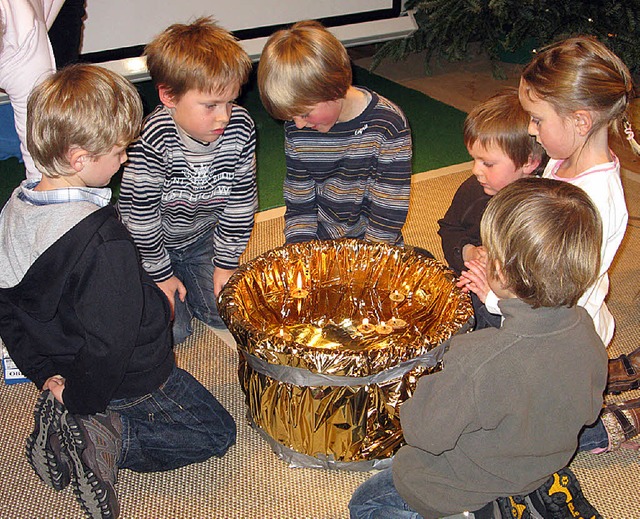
{"x": 26, "y": 58}
{"x": 603, "y": 185}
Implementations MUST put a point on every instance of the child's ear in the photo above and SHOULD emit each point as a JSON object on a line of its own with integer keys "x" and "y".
{"x": 77, "y": 158}
{"x": 583, "y": 122}
{"x": 531, "y": 165}
{"x": 166, "y": 96}
{"x": 499, "y": 273}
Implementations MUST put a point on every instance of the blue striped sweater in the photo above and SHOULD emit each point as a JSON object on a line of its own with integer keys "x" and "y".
{"x": 168, "y": 202}
{"x": 352, "y": 181}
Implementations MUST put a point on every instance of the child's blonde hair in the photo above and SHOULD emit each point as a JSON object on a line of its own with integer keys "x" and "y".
{"x": 200, "y": 56}
{"x": 545, "y": 236}
{"x": 300, "y": 67}
{"x": 501, "y": 121}
{"x": 80, "y": 106}
{"x": 581, "y": 73}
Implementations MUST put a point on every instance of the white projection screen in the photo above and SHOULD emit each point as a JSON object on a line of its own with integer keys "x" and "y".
{"x": 117, "y": 24}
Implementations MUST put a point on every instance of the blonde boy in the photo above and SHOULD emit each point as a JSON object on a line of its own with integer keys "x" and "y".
{"x": 79, "y": 315}
{"x": 348, "y": 149}
{"x": 189, "y": 192}
{"x": 502, "y": 417}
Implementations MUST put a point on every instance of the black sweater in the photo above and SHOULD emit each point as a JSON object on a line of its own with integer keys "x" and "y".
{"x": 461, "y": 223}
{"x": 88, "y": 311}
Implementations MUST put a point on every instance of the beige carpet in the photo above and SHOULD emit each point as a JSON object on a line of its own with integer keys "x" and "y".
{"x": 250, "y": 482}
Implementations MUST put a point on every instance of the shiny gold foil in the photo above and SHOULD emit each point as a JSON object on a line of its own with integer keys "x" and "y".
{"x": 346, "y": 281}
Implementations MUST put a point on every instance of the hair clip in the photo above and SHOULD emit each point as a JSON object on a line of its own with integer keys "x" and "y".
{"x": 628, "y": 130}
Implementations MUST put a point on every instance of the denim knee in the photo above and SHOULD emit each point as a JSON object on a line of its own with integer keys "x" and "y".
{"x": 377, "y": 498}
{"x": 178, "y": 424}
{"x": 593, "y": 437}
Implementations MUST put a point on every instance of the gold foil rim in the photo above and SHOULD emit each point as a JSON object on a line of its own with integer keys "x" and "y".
{"x": 346, "y": 281}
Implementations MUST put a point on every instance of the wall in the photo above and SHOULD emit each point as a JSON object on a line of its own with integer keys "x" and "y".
{"x": 114, "y": 24}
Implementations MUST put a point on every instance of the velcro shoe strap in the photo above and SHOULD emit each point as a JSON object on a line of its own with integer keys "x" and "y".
{"x": 628, "y": 428}
{"x": 630, "y": 369}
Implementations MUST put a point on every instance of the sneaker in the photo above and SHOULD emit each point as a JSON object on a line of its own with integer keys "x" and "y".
{"x": 561, "y": 497}
{"x": 43, "y": 448}
{"x": 514, "y": 507}
{"x": 93, "y": 444}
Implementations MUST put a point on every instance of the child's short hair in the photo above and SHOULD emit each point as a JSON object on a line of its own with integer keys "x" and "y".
{"x": 581, "y": 73}
{"x": 545, "y": 235}
{"x": 300, "y": 67}
{"x": 80, "y": 106}
{"x": 200, "y": 56}
{"x": 501, "y": 121}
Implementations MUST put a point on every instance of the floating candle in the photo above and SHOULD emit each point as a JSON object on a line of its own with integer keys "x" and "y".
{"x": 396, "y": 323}
{"x": 284, "y": 335}
{"x": 298, "y": 292}
{"x": 366, "y": 327}
{"x": 396, "y": 296}
{"x": 384, "y": 329}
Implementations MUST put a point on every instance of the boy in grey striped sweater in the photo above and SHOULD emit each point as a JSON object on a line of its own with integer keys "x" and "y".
{"x": 189, "y": 192}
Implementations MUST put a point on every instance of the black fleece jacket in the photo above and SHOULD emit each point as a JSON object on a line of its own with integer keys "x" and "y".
{"x": 88, "y": 311}
{"x": 461, "y": 223}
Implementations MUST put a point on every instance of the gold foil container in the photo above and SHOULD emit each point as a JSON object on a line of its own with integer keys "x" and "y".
{"x": 320, "y": 385}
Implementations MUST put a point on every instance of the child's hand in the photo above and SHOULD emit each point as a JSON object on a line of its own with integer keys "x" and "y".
{"x": 475, "y": 279}
{"x": 170, "y": 287}
{"x": 473, "y": 253}
{"x": 220, "y": 278}
{"x": 55, "y": 384}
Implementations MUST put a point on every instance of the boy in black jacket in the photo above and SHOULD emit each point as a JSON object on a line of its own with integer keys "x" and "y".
{"x": 79, "y": 315}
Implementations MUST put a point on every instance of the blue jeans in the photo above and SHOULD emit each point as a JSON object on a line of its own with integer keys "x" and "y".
{"x": 194, "y": 267}
{"x": 178, "y": 424}
{"x": 484, "y": 318}
{"x": 377, "y": 498}
{"x": 593, "y": 437}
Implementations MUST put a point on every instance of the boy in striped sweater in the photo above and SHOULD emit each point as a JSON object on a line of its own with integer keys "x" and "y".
{"x": 348, "y": 149}
{"x": 189, "y": 191}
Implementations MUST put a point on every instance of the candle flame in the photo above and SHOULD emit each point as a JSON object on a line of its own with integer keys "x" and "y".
{"x": 382, "y": 323}
{"x": 365, "y": 321}
{"x": 281, "y": 332}
{"x": 299, "y": 281}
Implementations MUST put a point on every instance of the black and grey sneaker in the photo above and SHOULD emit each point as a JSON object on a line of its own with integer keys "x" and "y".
{"x": 43, "y": 445}
{"x": 93, "y": 444}
{"x": 561, "y": 498}
{"x": 514, "y": 507}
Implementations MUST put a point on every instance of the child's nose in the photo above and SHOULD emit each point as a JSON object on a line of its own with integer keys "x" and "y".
{"x": 223, "y": 114}
{"x": 476, "y": 169}
{"x": 532, "y": 129}
{"x": 299, "y": 122}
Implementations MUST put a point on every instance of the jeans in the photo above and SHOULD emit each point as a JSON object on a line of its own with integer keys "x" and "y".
{"x": 377, "y": 498}
{"x": 484, "y": 318}
{"x": 194, "y": 267}
{"x": 593, "y": 437}
{"x": 178, "y": 424}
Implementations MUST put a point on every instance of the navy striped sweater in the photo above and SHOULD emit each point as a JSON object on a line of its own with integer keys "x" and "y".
{"x": 168, "y": 202}
{"x": 352, "y": 181}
